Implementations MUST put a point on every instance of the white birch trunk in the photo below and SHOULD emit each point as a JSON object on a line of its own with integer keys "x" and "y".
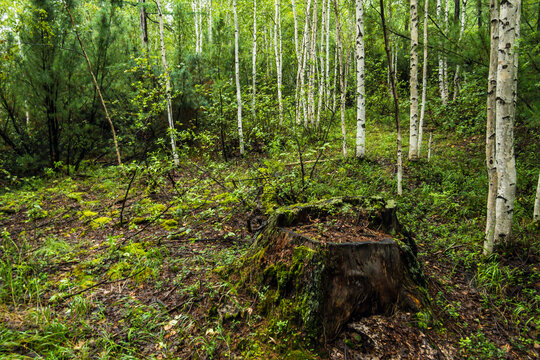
{"x": 440, "y": 58}
{"x": 342, "y": 79}
{"x": 424, "y": 78}
{"x": 237, "y": 76}
{"x": 295, "y": 18}
{"x": 490, "y": 129}
{"x": 167, "y": 83}
{"x": 413, "y": 125}
{"x": 254, "y": 62}
{"x": 312, "y": 63}
{"x": 277, "y": 52}
{"x": 536, "y": 214}
{"x": 327, "y": 65}
{"x": 505, "y": 113}
{"x": 445, "y": 59}
{"x": 360, "y": 86}
{"x": 458, "y": 66}
{"x": 322, "y": 79}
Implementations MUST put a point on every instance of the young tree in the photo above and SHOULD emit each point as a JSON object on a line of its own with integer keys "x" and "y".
{"x": 167, "y": 83}
{"x": 143, "y": 25}
{"x": 279, "y": 57}
{"x": 360, "y": 86}
{"x": 237, "y": 77}
{"x": 413, "y": 127}
{"x": 458, "y": 66}
{"x": 342, "y": 77}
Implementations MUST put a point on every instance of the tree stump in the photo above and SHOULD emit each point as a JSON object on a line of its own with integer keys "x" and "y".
{"x": 326, "y": 263}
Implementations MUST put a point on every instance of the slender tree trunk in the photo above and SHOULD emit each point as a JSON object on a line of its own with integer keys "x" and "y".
{"x": 445, "y": 59}
{"x": 505, "y": 113}
{"x": 396, "y": 101}
{"x": 360, "y": 86}
{"x": 279, "y": 56}
{"x": 194, "y": 6}
{"x": 167, "y": 83}
{"x": 456, "y": 11}
{"x": 237, "y": 76}
{"x": 536, "y": 214}
{"x": 210, "y": 21}
{"x": 342, "y": 79}
{"x": 295, "y": 18}
{"x": 413, "y": 125}
{"x": 458, "y": 66}
{"x": 118, "y": 157}
{"x": 144, "y": 26}
{"x": 327, "y": 65}
{"x": 439, "y": 56}
{"x": 424, "y": 78}
{"x": 322, "y": 79}
{"x": 490, "y": 129}
{"x": 479, "y": 13}
{"x": 312, "y": 63}
{"x": 254, "y": 62}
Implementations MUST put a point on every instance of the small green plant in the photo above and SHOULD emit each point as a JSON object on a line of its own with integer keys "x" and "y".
{"x": 478, "y": 347}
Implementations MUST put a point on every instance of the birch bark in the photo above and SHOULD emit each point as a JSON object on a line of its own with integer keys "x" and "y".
{"x": 278, "y": 54}
{"x": 254, "y": 62}
{"x": 167, "y": 83}
{"x": 342, "y": 79}
{"x": 237, "y": 77}
{"x": 458, "y": 66}
{"x": 424, "y": 78}
{"x": 360, "y": 86}
{"x": 413, "y": 125}
{"x": 490, "y": 129}
{"x": 505, "y": 112}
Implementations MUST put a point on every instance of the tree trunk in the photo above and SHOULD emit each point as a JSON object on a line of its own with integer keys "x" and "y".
{"x": 479, "y": 13}
{"x": 295, "y": 18}
{"x": 144, "y": 26}
{"x": 458, "y": 66}
{"x": 456, "y": 11}
{"x": 396, "y": 101}
{"x": 490, "y": 129}
{"x": 536, "y": 214}
{"x": 210, "y": 21}
{"x": 254, "y": 62}
{"x": 279, "y": 57}
{"x": 505, "y": 113}
{"x": 342, "y": 79}
{"x": 424, "y": 78}
{"x": 167, "y": 83}
{"x": 237, "y": 77}
{"x": 360, "y": 86}
{"x": 312, "y": 62}
{"x": 445, "y": 59}
{"x": 413, "y": 125}
{"x": 328, "y": 283}
{"x": 439, "y": 56}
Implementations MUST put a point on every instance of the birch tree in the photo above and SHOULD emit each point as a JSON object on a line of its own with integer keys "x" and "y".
{"x": 458, "y": 66}
{"x": 360, "y": 86}
{"x": 167, "y": 83}
{"x": 509, "y": 22}
{"x": 490, "y": 128}
{"x": 254, "y": 61}
{"x": 237, "y": 77}
{"x": 279, "y": 56}
{"x": 143, "y": 25}
{"x": 342, "y": 78}
{"x": 413, "y": 125}
{"x": 424, "y": 78}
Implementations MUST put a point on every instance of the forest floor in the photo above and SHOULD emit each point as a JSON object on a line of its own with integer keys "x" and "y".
{"x": 124, "y": 264}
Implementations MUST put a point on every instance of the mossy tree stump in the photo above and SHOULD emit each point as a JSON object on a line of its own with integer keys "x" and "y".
{"x": 323, "y": 264}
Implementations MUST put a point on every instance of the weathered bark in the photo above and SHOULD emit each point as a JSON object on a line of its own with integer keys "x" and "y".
{"x": 118, "y": 157}
{"x": 237, "y": 77}
{"x": 424, "y": 78}
{"x": 143, "y": 26}
{"x": 505, "y": 114}
{"x": 396, "y": 101}
{"x": 167, "y": 83}
{"x": 335, "y": 281}
{"x": 360, "y": 85}
{"x": 413, "y": 124}
{"x": 490, "y": 129}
